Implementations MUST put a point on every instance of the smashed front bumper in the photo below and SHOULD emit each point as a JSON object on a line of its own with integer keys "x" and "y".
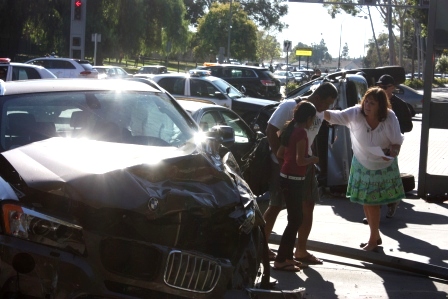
{"x": 112, "y": 268}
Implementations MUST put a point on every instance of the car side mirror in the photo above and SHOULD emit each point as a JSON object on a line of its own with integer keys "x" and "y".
{"x": 220, "y": 95}
{"x": 225, "y": 135}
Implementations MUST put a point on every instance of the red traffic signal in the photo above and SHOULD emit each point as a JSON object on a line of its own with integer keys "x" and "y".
{"x": 78, "y": 9}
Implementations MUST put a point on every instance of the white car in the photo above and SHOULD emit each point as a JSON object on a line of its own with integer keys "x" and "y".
{"x": 284, "y": 77}
{"x": 111, "y": 72}
{"x": 66, "y": 67}
{"x": 12, "y": 71}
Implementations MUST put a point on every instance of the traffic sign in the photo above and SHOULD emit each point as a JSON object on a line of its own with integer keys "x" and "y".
{"x": 304, "y": 52}
{"x": 286, "y": 46}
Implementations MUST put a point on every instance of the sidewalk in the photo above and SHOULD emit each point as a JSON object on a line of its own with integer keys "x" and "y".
{"x": 418, "y": 232}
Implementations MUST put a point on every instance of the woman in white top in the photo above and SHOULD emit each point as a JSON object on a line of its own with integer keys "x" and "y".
{"x": 376, "y": 140}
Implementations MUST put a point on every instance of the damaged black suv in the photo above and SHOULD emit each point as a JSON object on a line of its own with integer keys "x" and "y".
{"x": 109, "y": 190}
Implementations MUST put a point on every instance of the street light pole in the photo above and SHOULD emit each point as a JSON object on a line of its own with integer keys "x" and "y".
{"x": 230, "y": 28}
{"x": 340, "y": 39}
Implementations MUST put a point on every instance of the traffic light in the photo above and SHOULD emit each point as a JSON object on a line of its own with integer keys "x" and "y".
{"x": 78, "y": 9}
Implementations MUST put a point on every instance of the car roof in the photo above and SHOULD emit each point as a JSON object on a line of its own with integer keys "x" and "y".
{"x": 238, "y": 66}
{"x": 22, "y": 64}
{"x": 152, "y": 66}
{"x": 208, "y": 78}
{"x": 192, "y": 105}
{"x": 60, "y": 85}
{"x": 59, "y": 58}
{"x": 106, "y": 67}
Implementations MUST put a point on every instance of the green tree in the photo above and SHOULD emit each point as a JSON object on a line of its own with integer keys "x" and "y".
{"x": 371, "y": 60}
{"x": 442, "y": 64}
{"x": 320, "y": 53}
{"x": 266, "y": 14}
{"x": 243, "y": 43}
{"x": 268, "y": 47}
{"x": 344, "y": 53}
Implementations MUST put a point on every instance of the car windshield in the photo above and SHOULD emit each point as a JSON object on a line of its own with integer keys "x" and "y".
{"x": 145, "y": 118}
{"x": 223, "y": 87}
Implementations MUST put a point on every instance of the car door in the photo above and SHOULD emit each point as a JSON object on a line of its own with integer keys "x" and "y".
{"x": 206, "y": 90}
{"x": 244, "y": 136}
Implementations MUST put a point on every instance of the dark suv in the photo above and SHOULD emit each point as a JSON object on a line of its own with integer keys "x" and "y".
{"x": 258, "y": 82}
{"x": 109, "y": 190}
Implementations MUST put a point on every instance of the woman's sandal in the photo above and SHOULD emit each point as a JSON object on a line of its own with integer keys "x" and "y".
{"x": 378, "y": 242}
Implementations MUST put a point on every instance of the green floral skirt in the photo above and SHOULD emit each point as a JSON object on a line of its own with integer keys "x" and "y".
{"x": 374, "y": 187}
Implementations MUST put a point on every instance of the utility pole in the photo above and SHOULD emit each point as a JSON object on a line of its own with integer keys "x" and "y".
{"x": 230, "y": 28}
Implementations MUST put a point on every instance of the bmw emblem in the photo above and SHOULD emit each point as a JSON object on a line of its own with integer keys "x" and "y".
{"x": 153, "y": 204}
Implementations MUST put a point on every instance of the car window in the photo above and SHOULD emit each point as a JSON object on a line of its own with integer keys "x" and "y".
{"x": 24, "y": 73}
{"x": 120, "y": 72}
{"x": 173, "y": 85}
{"x": 61, "y": 64}
{"x": 209, "y": 120}
{"x": 144, "y": 118}
{"x": 232, "y": 120}
{"x": 3, "y": 72}
{"x": 201, "y": 88}
{"x": 248, "y": 73}
{"x": 236, "y": 73}
{"x": 85, "y": 65}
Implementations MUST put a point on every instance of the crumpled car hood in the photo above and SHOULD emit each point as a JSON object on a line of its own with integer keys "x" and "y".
{"x": 125, "y": 176}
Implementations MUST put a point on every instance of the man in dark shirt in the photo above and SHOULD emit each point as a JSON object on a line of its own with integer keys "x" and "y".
{"x": 399, "y": 106}
{"x": 403, "y": 114}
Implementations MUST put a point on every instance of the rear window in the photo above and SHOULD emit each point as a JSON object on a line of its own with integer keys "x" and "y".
{"x": 266, "y": 74}
{"x": 85, "y": 65}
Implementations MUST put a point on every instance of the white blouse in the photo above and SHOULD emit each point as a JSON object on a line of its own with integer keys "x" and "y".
{"x": 362, "y": 136}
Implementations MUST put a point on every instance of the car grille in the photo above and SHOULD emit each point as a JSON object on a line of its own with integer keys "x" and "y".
{"x": 130, "y": 258}
{"x": 190, "y": 272}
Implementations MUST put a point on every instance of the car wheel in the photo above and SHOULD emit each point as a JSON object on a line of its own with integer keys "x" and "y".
{"x": 408, "y": 181}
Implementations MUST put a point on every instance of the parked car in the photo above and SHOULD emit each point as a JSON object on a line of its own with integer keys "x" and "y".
{"x": 258, "y": 82}
{"x": 107, "y": 190}
{"x": 111, "y": 72}
{"x": 66, "y": 67}
{"x": 199, "y": 85}
{"x": 284, "y": 77}
{"x": 300, "y": 77}
{"x": 149, "y": 70}
{"x": 411, "y": 96}
{"x": 12, "y": 71}
{"x": 208, "y": 115}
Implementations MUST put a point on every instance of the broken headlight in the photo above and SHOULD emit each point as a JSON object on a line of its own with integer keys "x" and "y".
{"x": 40, "y": 228}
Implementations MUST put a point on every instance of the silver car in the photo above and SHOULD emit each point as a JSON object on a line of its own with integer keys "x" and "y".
{"x": 284, "y": 77}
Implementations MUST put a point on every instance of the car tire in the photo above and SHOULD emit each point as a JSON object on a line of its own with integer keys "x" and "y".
{"x": 408, "y": 181}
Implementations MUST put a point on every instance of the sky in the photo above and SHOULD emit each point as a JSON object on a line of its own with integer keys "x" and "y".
{"x": 309, "y": 23}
